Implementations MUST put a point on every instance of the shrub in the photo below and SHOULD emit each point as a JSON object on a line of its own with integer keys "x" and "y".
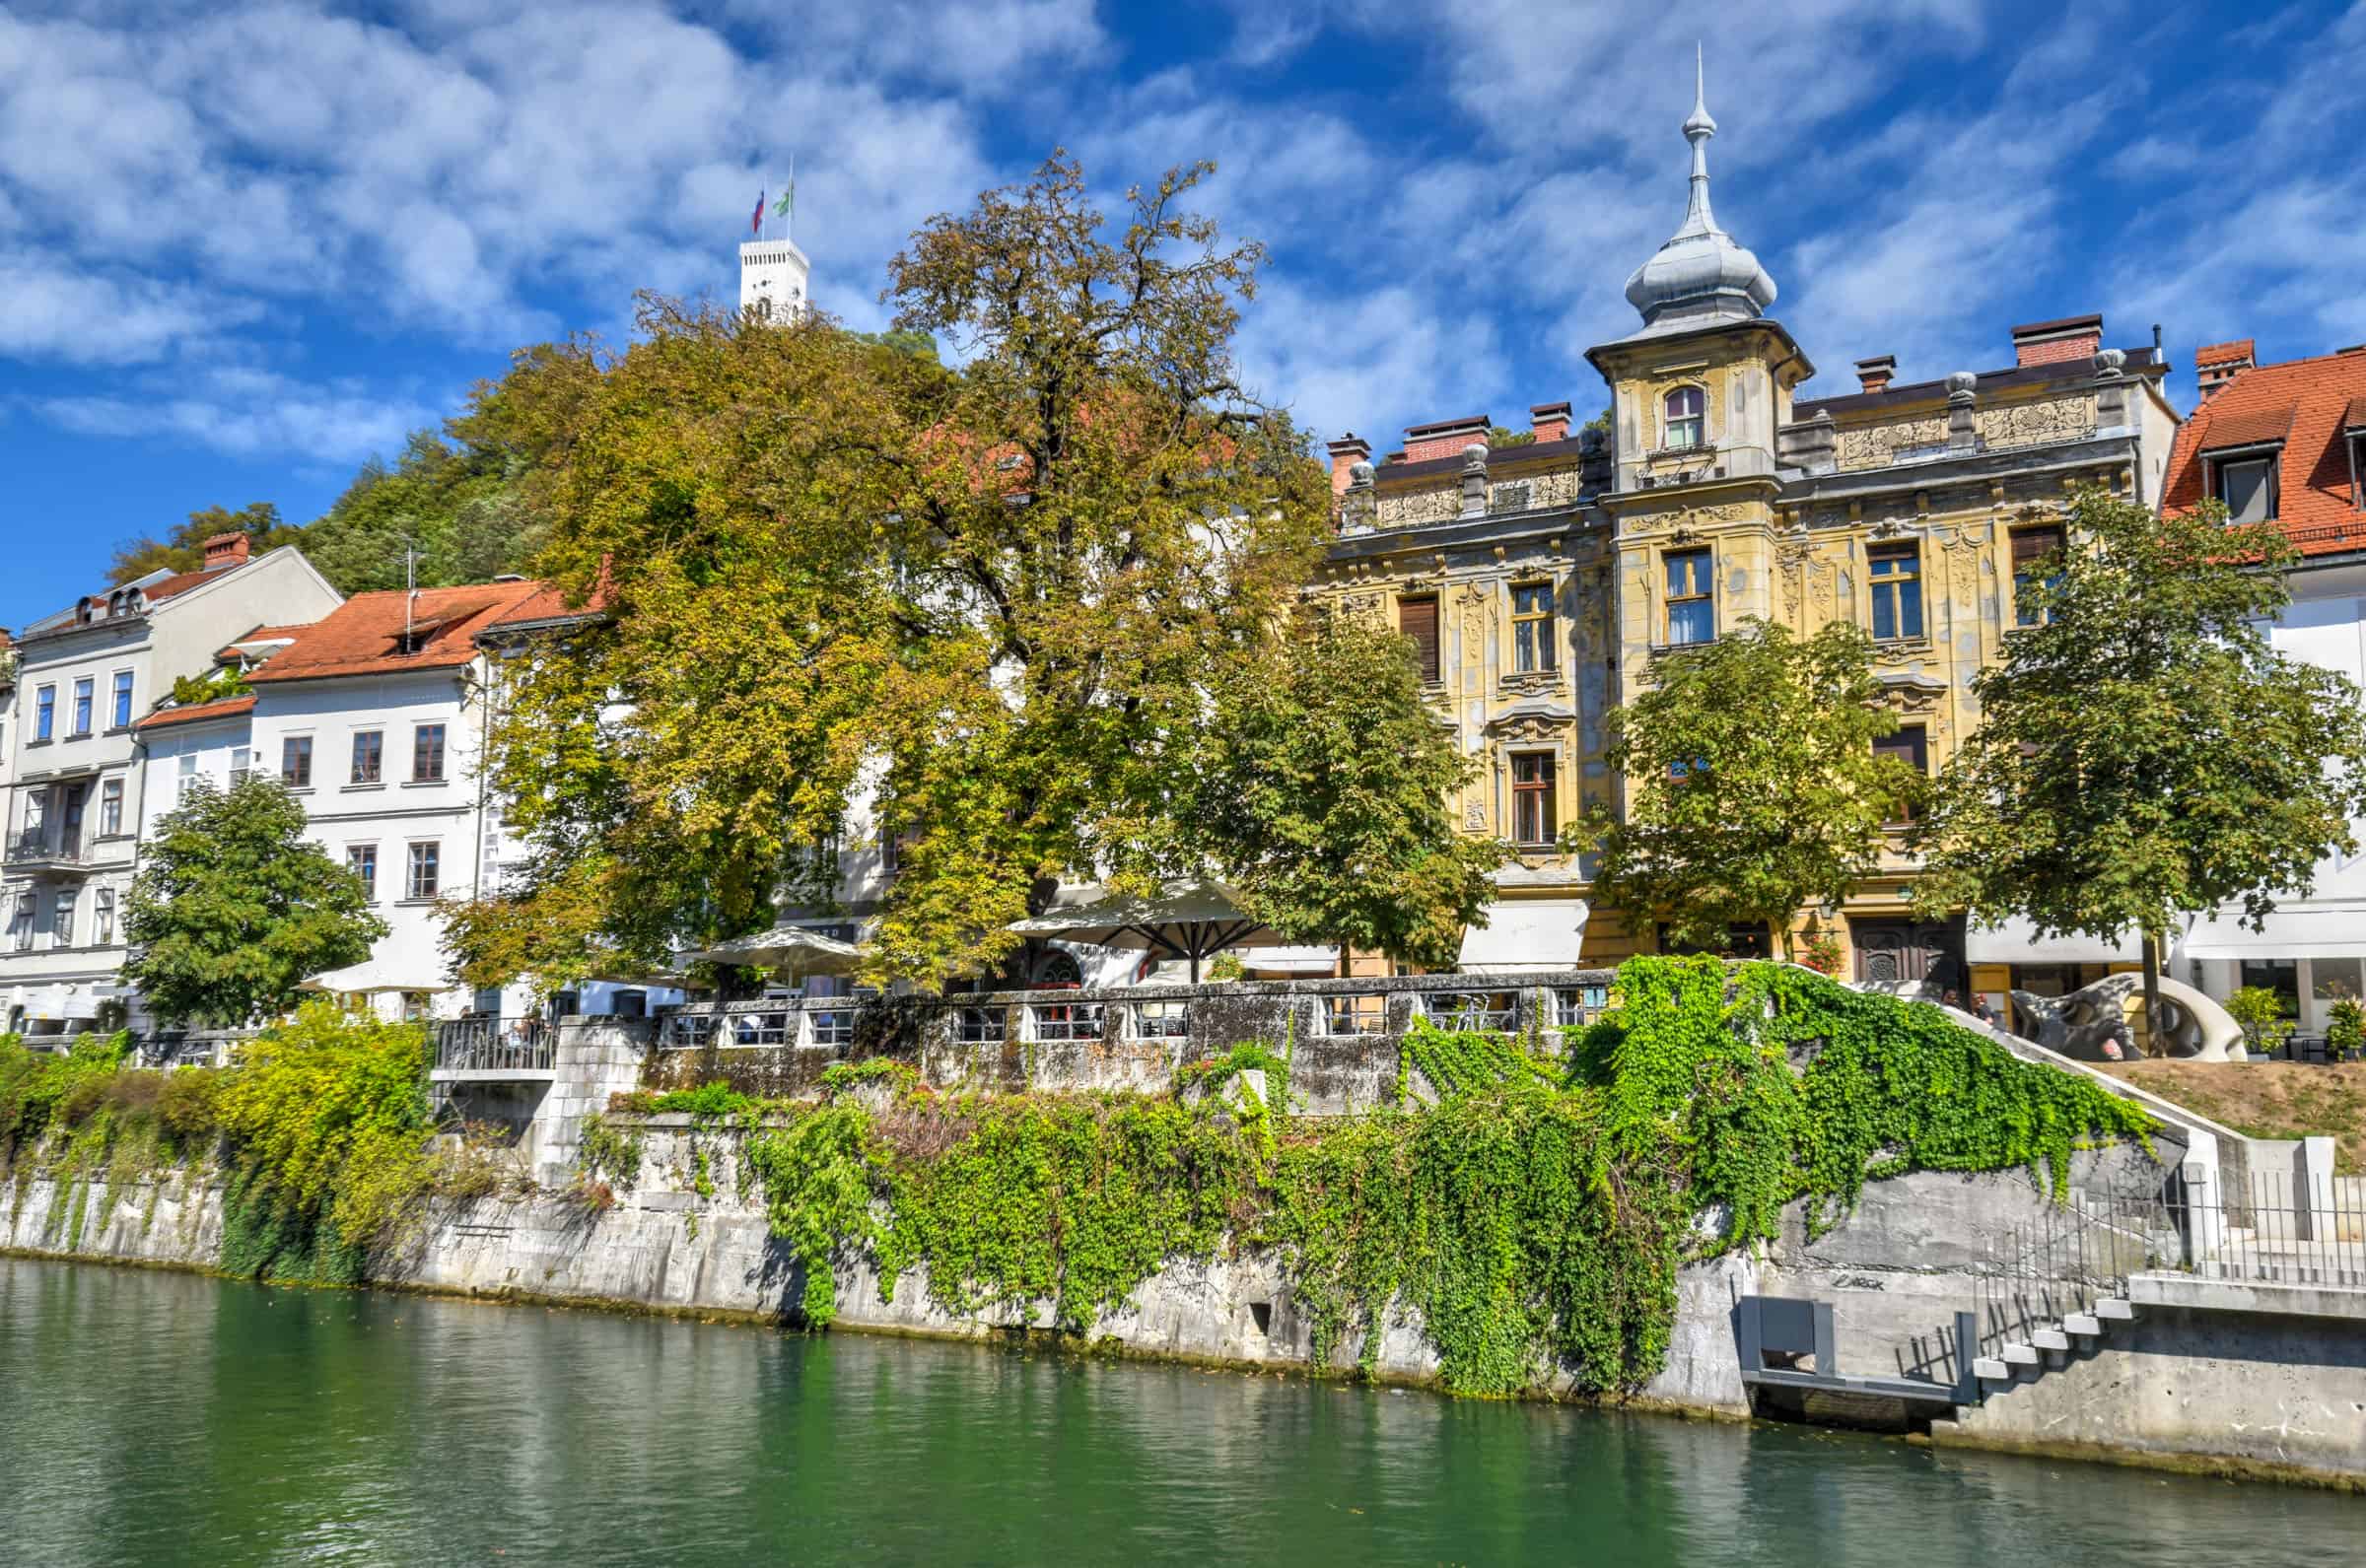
{"x": 2260, "y": 1013}
{"x": 2346, "y": 1029}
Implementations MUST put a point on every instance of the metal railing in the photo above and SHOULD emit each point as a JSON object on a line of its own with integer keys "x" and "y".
{"x": 39, "y": 844}
{"x": 495, "y": 1044}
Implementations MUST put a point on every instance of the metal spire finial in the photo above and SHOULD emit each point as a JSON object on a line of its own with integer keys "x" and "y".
{"x": 1699, "y": 128}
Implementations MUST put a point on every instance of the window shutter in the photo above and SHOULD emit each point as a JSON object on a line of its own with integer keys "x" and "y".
{"x": 1418, "y": 619}
{"x": 2031, "y": 543}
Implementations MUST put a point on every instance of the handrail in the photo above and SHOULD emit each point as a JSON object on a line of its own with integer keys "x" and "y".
{"x": 484, "y": 1044}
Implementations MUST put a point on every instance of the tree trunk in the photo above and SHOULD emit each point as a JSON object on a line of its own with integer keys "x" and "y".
{"x": 2153, "y": 1026}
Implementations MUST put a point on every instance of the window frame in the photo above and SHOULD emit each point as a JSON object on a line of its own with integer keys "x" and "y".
{"x": 2356, "y": 443}
{"x": 419, "y": 741}
{"x": 119, "y": 700}
{"x": 65, "y": 904}
{"x": 292, "y": 749}
{"x": 2026, "y": 574}
{"x": 2271, "y": 459}
{"x": 24, "y": 917}
{"x": 1539, "y": 795}
{"x": 1429, "y": 654}
{"x": 1696, "y": 417}
{"x": 110, "y": 808}
{"x": 45, "y": 711}
{"x": 1704, "y": 591}
{"x": 427, "y": 852}
{"x": 86, "y": 707}
{"x": 1534, "y": 631}
{"x": 103, "y": 916}
{"x": 355, "y": 857}
{"x": 1899, "y": 592}
{"x": 378, "y": 757}
{"x": 1913, "y": 752}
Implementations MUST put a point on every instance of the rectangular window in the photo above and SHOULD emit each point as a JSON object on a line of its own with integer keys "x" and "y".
{"x": 110, "y": 808}
{"x": 2278, "y": 975}
{"x": 20, "y": 922}
{"x": 1897, "y": 574}
{"x": 1355, "y": 1013}
{"x": 361, "y": 860}
{"x": 1471, "y": 1011}
{"x": 122, "y": 710}
{"x": 2248, "y": 487}
{"x": 82, "y": 706}
{"x": 45, "y": 711}
{"x": 2037, "y": 560}
{"x": 1532, "y": 627}
{"x": 1535, "y": 815}
{"x": 2335, "y": 978}
{"x": 2358, "y": 471}
{"x": 1910, "y": 745}
{"x": 103, "y": 917}
{"x": 894, "y": 846}
{"x": 1418, "y": 620}
{"x": 61, "y": 919}
{"x": 422, "y": 882}
{"x": 241, "y": 762}
{"x": 369, "y": 748}
{"x": 427, "y": 754}
{"x": 296, "y": 762}
{"x": 183, "y": 777}
{"x": 1692, "y": 609}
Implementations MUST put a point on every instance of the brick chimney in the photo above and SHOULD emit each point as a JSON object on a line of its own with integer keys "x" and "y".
{"x": 2215, "y": 364}
{"x": 1346, "y": 453}
{"x": 1550, "y": 421}
{"x": 1445, "y": 439}
{"x": 1876, "y": 374}
{"x": 2073, "y": 337}
{"x": 226, "y": 550}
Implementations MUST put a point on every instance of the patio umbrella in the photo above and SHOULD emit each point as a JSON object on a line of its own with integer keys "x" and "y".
{"x": 792, "y": 948}
{"x": 1187, "y": 920}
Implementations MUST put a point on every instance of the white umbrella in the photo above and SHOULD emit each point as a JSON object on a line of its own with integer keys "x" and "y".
{"x": 793, "y": 948}
{"x": 1188, "y": 920}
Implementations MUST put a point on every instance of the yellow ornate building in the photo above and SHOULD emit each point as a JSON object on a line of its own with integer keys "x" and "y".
{"x": 1540, "y": 578}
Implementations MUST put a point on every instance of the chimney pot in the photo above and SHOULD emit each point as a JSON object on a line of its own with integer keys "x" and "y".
{"x": 227, "y": 549}
{"x": 1874, "y": 375}
{"x": 2073, "y": 337}
{"x": 2217, "y": 364}
{"x": 1550, "y": 421}
{"x": 1346, "y": 453}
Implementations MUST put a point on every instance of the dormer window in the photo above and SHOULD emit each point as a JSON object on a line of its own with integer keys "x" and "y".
{"x": 2353, "y": 426}
{"x": 1687, "y": 409}
{"x": 2248, "y": 487}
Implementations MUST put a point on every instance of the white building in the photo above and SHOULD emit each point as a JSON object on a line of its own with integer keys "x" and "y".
{"x": 75, "y": 800}
{"x": 2288, "y": 442}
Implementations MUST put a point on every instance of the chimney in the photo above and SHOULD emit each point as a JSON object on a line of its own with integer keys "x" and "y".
{"x": 1445, "y": 439}
{"x": 2215, "y": 364}
{"x": 1550, "y": 421}
{"x": 1346, "y": 453}
{"x": 226, "y": 550}
{"x": 2073, "y": 337}
{"x": 1874, "y": 375}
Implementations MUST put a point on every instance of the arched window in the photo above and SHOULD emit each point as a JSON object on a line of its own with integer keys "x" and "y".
{"x": 1684, "y": 407}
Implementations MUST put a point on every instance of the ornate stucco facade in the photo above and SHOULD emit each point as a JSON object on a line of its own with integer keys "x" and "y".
{"x": 1719, "y": 493}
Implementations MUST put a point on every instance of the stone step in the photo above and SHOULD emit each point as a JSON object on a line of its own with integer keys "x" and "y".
{"x": 2115, "y": 1309}
{"x": 2083, "y": 1324}
{"x": 1990, "y": 1370}
{"x": 2021, "y": 1355}
{"x": 2049, "y": 1339}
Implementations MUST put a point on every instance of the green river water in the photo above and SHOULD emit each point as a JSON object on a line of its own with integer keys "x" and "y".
{"x": 150, "y": 1417}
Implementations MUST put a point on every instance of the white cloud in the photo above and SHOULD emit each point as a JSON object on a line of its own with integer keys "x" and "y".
{"x": 248, "y": 413}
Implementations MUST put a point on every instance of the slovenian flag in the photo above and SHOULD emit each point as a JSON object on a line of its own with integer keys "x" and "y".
{"x": 756, "y": 225}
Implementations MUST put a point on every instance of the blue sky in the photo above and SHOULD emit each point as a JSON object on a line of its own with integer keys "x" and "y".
{"x": 244, "y": 245}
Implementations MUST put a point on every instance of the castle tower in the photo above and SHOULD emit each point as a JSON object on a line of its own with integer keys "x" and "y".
{"x": 773, "y": 279}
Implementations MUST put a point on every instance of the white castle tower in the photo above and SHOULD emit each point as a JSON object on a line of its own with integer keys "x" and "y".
{"x": 773, "y": 274}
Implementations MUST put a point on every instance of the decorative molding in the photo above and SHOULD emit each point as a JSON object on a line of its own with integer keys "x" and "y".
{"x": 2003, "y": 426}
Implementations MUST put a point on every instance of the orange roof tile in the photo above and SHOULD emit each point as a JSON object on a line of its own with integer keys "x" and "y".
{"x": 2310, "y": 401}
{"x": 363, "y": 635}
{"x": 548, "y": 602}
{"x": 2223, "y": 353}
{"x": 197, "y": 713}
{"x": 262, "y": 634}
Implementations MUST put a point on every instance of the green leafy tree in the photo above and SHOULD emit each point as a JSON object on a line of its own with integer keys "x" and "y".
{"x": 183, "y": 549}
{"x": 1002, "y": 589}
{"x": 2143, "y": 752}
{"x": 1752, "y": 784}
{"x": 453, "y": 508}
{"x": 1323, "y": 794}
{"x": 234, "y": 906}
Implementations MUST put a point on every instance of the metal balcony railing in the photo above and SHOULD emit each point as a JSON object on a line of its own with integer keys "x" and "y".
{"x": 494, "y": 1044}
{"x": 36, "y": 845}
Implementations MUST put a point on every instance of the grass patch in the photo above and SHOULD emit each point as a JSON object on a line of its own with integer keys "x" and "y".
{"x": 2267, "y": 1099}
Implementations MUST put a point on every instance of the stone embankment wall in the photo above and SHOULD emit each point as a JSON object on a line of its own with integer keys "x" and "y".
{"x": 2178, "y": 1385}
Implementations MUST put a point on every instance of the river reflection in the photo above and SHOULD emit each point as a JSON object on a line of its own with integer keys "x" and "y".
{"x": 155, "y": 1418}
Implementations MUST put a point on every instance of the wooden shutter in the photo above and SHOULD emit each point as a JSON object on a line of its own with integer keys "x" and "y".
{"x": 1418, "y": 619}
{"x": 2031, "y": 543}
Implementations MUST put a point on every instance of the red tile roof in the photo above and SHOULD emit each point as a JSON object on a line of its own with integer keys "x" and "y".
{"x": 197, "y": 713}
{"x": 363, "y": 635}
{"x": 548, "y": 602}
{"x": 2223, "y": 353}
{"x": 262, "y": 634}
{"x": 2312, "y": 399}
{"x": 183, "y": 582}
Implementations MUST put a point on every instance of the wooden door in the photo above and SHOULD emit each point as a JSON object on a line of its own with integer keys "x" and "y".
{"x": 1910, "y": 952}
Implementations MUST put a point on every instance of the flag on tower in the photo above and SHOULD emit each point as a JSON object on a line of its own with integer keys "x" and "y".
{"x": 786, "y": 207}
{"x": 755, "y": 224}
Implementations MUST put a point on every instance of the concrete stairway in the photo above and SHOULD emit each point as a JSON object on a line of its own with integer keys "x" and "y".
{"x": 2074, "y": 1331}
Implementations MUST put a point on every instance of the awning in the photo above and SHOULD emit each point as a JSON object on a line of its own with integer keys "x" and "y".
{"x": 2016, "y": 942}
{"x": 1525, "y": 936}
{"x": 2289, "y": 933}
{"x": 1316, "y": 961}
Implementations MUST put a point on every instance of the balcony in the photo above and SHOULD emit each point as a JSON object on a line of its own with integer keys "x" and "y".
{"x": 486, "y": 1049}
{"x": 40, "y": 849}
